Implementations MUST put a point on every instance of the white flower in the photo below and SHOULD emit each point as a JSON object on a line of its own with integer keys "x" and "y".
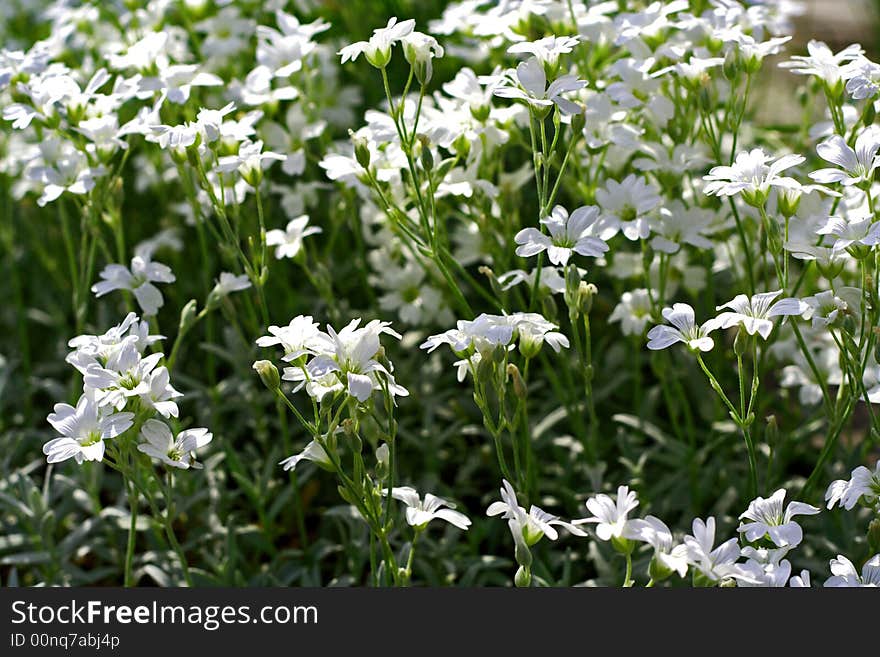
{"x": 683, "y": 329}
{"x": 139, "y": 280}
{"x": 609, "y": 515}
{"x": 627, "y": 203}
{"x": 633, "y": 312}
{"x": 229, "y": 283}
{"x": 678, "y": 225}
{"x": 766, "y": 568}
{"x": 551, "y": 278}
{"x": 864, "y": 78}
{"x": 531, "y": 86}
{"x": 654, "y": 531}
{"x": 825, "y": 307}
{"x": 546, "y": 50}
{"x": 378, "y": 49}
{"x": 175, "y": 82}
{"x": 768, "y": 518}
{"x": 125, "y": 374}
{"x": 98, "y": 349}
{"x": 420, "y": 512}
{"x": 844, "y": 573}
{"x": 754, "y": 313}
{"x": 420, "y": 50}
{"x": 714, "y": 563}
{"x": 567, "y": 234}
{"x": 529, "y": 527}
{"x": 352, "y": 357}
{"x": 862, "y": 484}
{"x": 282, "y": 51}
{"x": 856, "y": 165}
{"x": 288, "y": 242}
{"x": 250, "y": 161}
{"x": 161, "y": 394}
{"x": 66, "y": 171}
{"x": 301, "y": 336}
{"x": 313, "y": 452}
{"x": 752, "y": 174}
{"x": 486, "y": 332}
{"x": 865, "y": 232}
{"x": 822, "y": 63}
{"x": 83, "y": 431}
{"x": 177, "y": 452}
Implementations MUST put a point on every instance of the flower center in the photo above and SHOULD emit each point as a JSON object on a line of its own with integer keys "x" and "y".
{"x": 129, "y": 381}
{"x": 563, "y": 241}
{"x": 628, "y": 213}
{"x": 91, "y": 438}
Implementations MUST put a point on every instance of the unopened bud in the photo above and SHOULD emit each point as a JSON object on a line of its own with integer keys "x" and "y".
{"x": 268, "y": 374}
{"x": 383, "y": 461}
{"x": 774, "y": 237}
{"x": 519, "y": 386}
{"x": 361, "y": 150}
{"x": 578, "y": 123}
{"x": 874, "y": 535}
{"x": 586, "y": 292}
{"x": 188, "y": 316}
{"x": 349, "y": 428}
{"x": 523, "y": 577}
{"x": 771, "y": 433}
{"x": 730, "y": 68}
{"x": 427, "y": 158}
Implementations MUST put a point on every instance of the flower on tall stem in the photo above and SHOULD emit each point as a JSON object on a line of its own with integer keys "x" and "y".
{"x": 752, "y": 174}
{"x": 754, "y": 313}
{"x": 684, "y": 329}
{"x": 83, "y": 430}
{"x": 766, "y": 517}
{"x": 568, "y": 234}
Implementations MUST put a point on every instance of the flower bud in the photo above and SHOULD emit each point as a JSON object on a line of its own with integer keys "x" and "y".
{"x": 188, "y": 316}
{"x": 427, "y": 158}
{"x": 361, "y": 150}
{"x": 578, "y": 123}
{"x": 349, "y": 428}
{"x": 192, "y": 152}
{"x": 730, "y": 68}
{"x": 870, "y": 114}
{"x": 788, "y": 201}
{"x": 519, "y": 386}
{"x": 774, "y": 237}
{"x": 523, "y": 577}
{"x": 771, "y": 433}
{"x": 874, "y": 535}
{"x": 572, "y": 287}
{"x": 383, "y": 461}
{"x": 268, "y": 374}
{"x": 586, "y": 292}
